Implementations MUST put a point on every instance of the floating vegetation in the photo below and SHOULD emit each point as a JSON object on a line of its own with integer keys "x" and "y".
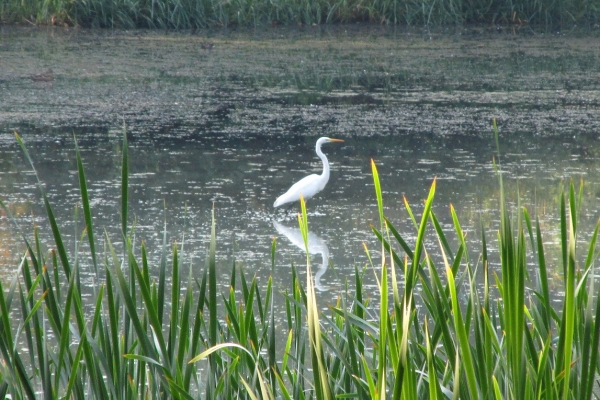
{"x": 449, "y": 330}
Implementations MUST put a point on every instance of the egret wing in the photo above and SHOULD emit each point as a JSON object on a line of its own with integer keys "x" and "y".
{"x": 307, "y": 186}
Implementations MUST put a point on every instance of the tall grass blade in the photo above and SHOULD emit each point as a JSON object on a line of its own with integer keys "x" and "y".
{"x": 212, "y": 304}
{"x": 271, "y": 335}
{"x": 419, "y": 245}
{"x": 546, "y": 309}
{"x": 569, "y": 305}
{"x": 513, "y": 261}
{"x": 162, "y": 273}
{"x": 377, "y": 193}
{"x": 124, "y": 183}
{"x": 320, "y": 375}
{"x": 463, "y": 338}
{"x": 212, "y": 283}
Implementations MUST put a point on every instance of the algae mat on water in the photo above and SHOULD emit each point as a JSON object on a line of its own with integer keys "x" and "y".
{"x": 351, "y": 79}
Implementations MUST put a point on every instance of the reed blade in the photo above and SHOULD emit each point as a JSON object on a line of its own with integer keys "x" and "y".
{"x": 124, "y": 182}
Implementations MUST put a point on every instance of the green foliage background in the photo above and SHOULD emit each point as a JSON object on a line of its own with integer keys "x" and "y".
{"x": 190, "y": 14}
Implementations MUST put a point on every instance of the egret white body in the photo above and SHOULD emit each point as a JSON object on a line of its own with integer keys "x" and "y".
{"x": 309, "y": 185}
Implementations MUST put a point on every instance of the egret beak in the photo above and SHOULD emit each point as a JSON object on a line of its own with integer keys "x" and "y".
{"x": 335, "y": 140}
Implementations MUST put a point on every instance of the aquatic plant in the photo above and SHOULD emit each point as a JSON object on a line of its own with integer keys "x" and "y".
{"x": 187, "y": 14}
{"x": 440, "y": 326}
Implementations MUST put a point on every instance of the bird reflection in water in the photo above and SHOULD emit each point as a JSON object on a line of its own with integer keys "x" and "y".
{"x": 316, "y": 245}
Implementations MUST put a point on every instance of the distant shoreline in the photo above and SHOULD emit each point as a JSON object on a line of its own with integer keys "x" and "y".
{"x": 544, "y": 15}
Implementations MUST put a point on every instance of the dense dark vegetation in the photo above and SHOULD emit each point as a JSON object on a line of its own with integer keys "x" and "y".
{"x": 191, "y": 14}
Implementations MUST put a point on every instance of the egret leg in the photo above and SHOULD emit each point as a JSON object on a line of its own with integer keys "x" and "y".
{"x": 286, "y": 210}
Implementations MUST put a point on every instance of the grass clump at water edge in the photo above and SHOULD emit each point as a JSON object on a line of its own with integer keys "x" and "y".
{"x": 461, "y": 342}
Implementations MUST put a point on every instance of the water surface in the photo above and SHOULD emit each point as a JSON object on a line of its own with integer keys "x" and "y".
{"x": 233, "y": 127}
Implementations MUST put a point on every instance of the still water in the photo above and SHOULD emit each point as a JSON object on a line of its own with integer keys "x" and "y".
{"x": 233, "y": 127}
{"x": 242, "y": 177}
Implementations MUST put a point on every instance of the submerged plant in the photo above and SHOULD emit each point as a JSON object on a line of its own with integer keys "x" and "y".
{"x": 432, "y": 331}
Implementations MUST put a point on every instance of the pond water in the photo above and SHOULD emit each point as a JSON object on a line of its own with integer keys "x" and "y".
{"x": 233, "y": 126}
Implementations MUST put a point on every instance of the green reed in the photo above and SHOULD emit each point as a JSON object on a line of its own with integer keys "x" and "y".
{"x": 440, "y": 326}
{"x": 186, "y": 14}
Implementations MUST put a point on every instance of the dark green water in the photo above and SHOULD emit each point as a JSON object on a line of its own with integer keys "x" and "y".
{"x": 234, "y": 126}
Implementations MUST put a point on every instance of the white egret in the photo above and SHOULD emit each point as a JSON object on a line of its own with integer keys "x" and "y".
{"x": 310, "y": 185}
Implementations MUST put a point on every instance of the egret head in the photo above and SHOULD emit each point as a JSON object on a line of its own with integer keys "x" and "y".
{"x": 327, "y": 140}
